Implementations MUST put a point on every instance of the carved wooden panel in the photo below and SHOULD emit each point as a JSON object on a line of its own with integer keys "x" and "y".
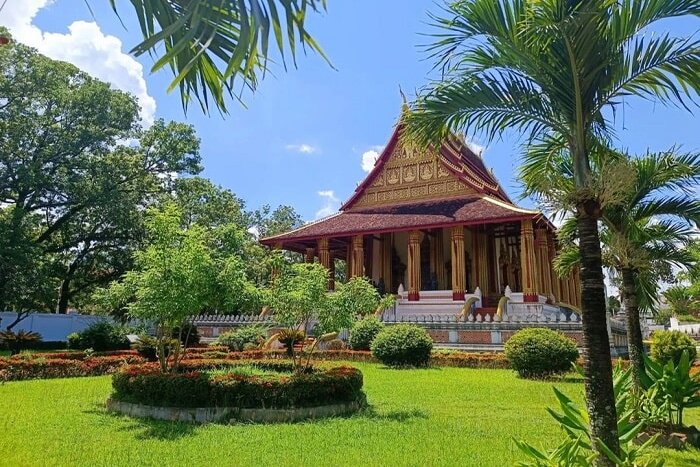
{"x": 411, "y": 175}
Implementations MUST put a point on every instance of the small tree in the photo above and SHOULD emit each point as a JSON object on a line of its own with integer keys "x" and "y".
{"x": 172, "y": 280}
{"x": 357, "y": 297}
{"x": 299, "y": 297}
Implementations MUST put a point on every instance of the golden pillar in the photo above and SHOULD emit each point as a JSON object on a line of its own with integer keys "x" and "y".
{"x": 386, "y": 261}
{"x": 457, "y": 258}
{"x": 310, "y": 255}
{"x": 358, "y": 256}
{"x": 565, "y": 298}
{"x": 576, "y": 279}
{"x": 482, "y": 260}
{"x": 556, "y": 283}
{"x": 414, "y": 265}
{"x": 527, "y": 261}
{"x": 324, "y": 257}
{"x": 437, "y": 251}
{"x": 543, "y": 262}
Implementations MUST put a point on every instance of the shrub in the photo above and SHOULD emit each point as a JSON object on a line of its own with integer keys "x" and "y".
{"x": 195, "y": 387}
{"x": 102, "y": 335}
{"x": 254, "y": 334}
{"x": 668, "y": 346}
{"x": 33, "y": 367}
{"x": 146, "y": 346}
{"x": 403, "y": 344}
{"x": 289, "y": 338}
{"x": 539, "y": 352}
{"x": 364, "y": 331}
{"x": 18, "y": 341}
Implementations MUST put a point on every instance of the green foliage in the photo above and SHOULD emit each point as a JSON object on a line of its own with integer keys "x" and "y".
{"x": 402, "y": 345}
{"x": 216, "y": 49}
{"x": 15, "y": 342}
{"x": 254, "y": 334}
{"x": 577, "y": 450}
{"x": 671, "y": 387}
{"x": 335, "y": 345}
{"x": 299, "y": 296}
{"x": 147, "y": 347}
{"x": 291, "y": 337}
{"x": 197, "y": 388}
{"x": 187, "y": 334}
{"x": 540, "y": 352}
{"x": 100, "y": 336}
{"x": 669, "y": 346}
{"x": 364, "y": 331}
{"x": 357, "y": 297}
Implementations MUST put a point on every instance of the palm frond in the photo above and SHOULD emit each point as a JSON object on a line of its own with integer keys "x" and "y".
{"x": 212, "y": 45}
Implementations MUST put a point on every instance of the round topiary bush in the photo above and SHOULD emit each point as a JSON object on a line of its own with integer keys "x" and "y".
{"x": 540, "y": 352}
{"x": 669, "y": 346}
{"x": 403, "y": 345}
{"x": 364, "y": 331}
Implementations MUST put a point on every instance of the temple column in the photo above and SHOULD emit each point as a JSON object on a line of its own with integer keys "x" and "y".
{"x": 310, "y": 255}
{"x": 438, "y": 259}
{"x": 482, "y": 263}
{"x": 358, "y": 256}
{"x": 324, "y": 257}
{"x": 527, "y": 261}
{"x": 543, "y": 262}
{"x": 556, "y": 283}
{"x": 457, "y": 259}
{"x": 565, "y": 290}
{"x": 414, "y": 265}
{"x": 386, "y": 261}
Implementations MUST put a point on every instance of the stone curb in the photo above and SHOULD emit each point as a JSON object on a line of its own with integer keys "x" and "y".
{"x": 232, "y": 414}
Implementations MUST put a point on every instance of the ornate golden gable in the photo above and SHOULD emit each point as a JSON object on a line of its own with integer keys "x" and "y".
{"x": 410, "y": 175}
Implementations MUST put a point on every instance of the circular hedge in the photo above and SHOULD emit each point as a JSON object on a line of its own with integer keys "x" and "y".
{"x": 539, "y": 352}
{"x": 364, "y": 331}
{"x": 668, "y": 346}
{"x": 252, "y": 384}
{"x": 403, "y": 345}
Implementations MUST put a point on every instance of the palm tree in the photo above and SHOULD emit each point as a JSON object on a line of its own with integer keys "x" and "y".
{"x": 648, "y": 214}
{"x": 558, "y": 67}
{"x": 212, "y": 44}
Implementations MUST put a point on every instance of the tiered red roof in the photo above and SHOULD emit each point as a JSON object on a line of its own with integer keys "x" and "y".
{"x": 489, "y": 204}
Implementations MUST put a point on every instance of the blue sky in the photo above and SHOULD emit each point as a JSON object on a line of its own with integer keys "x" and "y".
{"x": 302, "y": 138}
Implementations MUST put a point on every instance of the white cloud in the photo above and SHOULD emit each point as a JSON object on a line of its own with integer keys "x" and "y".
{"x": 370, "y": 156}
{"x": 85, "y": 46}
{"x": 331, "y": 203}
{"x": 302, "y": 148}
{"x": 254, "y": 231}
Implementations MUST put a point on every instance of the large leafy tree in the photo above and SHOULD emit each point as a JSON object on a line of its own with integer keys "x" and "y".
{"x": 76, "y": 171}
{"x": 217, "y": 48}
{"x": 557, "y": 68}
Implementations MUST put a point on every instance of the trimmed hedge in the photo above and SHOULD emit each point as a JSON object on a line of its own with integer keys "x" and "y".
{"x": 99, "y": 336}
{"x": 540, "y": 352}
{"x": 17, "y": 369}
{"x": 403, "y": 345}
{"x": 192, "y": 387}
{"x": 364, "y": 331}
{"x": 669, "y": 346}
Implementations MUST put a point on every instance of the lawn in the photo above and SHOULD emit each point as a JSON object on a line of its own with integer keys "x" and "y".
{"x": 445, "y": 416}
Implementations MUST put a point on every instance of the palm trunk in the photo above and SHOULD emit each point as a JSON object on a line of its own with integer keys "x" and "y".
{"x": 600, "y": 398}
{"x": 634, "y": 330}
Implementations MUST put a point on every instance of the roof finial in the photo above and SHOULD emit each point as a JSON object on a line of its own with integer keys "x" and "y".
{"x": 405, "y": 108}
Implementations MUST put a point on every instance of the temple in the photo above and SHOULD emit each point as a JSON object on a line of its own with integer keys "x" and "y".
{"x": 436, "y": 228}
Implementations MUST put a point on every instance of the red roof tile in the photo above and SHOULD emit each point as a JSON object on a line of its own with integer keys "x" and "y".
{"x": 428, "y": 214}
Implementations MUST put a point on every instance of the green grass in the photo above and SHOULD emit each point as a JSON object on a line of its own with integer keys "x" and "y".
{"x": 445, "y": 416}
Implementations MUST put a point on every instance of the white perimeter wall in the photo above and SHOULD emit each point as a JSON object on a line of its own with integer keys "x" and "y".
{"x": 52, "y": 327}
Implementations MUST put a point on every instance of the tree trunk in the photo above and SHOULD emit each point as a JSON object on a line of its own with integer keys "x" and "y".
{"x": 634, "y": 329}
{"x": 597, "y": 366}
{"x": 63, "y": 296}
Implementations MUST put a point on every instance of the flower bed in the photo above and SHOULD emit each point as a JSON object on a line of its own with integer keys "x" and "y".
{"x": 273, "y": 385}
{"x": 79, "y": 363}
{"x": 39, "y": 367}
